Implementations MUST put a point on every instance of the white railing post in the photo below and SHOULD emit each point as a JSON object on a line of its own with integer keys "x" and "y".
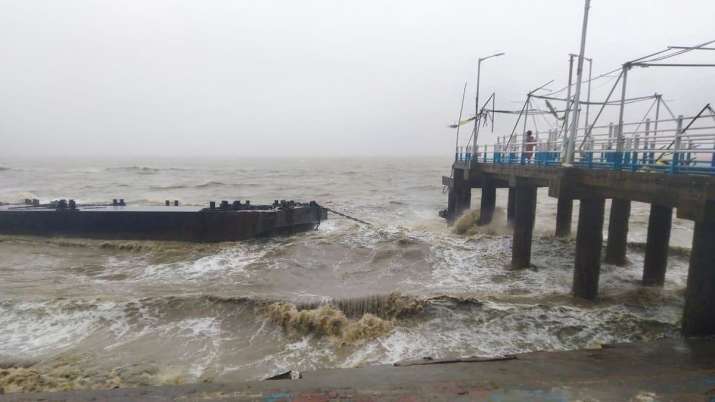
{"x": 610, "y": 136}
{"x": 634, "y": 154}
{"x": 620, "y": 143}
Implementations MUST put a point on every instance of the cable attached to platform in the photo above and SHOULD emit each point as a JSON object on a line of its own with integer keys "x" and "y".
{"x": 347, "y": 216}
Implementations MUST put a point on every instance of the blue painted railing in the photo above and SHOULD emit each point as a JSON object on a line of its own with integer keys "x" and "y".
{"x": 672, "y": 147}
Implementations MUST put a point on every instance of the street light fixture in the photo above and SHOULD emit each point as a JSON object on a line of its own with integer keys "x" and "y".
{"x": 477, "y": 116}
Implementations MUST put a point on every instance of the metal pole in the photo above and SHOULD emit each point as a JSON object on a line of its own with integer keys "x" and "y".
{"x": 563, "y": 135}
{"x": 568, "y": 99}
{"x": 646, "y": 143}
{"x": 579, "y": 78}
{"x": 588, "y": 104}
{"x": 523, "y": 134}
{"x": 675, "y": 161}
{"x": 657, "y": 114}
{"x": 619, "y": 141}
{"x": 477, "y": 117}
{"x": 459, "y": 121}
{"x": 655, "y": 127}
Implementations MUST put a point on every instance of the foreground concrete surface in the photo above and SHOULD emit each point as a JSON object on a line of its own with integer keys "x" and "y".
{"x": 667, "y": 370}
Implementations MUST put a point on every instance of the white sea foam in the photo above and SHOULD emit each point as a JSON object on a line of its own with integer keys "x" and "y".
{"x": 232, "y": 261}
{"x": 32, "y": 329}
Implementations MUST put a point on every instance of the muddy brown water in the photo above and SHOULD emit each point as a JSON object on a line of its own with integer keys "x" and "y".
{"x": 80, "y": 313}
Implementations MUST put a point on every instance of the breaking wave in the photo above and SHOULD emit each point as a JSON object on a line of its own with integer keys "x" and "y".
{"x": 355, "y": 331}
{"x": 170, "y": 187}
{"x": 328, "y": 321}
{"x": 134, "y": 169}
{"x": 468, "y": 224}
{"x": 210, "y": 184}
{"x": 143, "y": 169}
{"x": 114, "y": 245}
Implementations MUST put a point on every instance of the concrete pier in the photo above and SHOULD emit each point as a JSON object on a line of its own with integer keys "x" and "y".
{"x": 589, "y": 239}
{"x": 618, "y": 232}
{"x": 692, "y": 195}
{"x": 487, "y": 204}
{"x": 564, "y": 214}
{"x": 656, "y": 252}
{"x": 699, "y": 314}
{"x": 525, "y": 204}
{"x": 460, "y": 195}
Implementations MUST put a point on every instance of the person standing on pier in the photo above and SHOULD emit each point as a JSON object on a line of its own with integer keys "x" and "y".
{"x": 530, "y": 144}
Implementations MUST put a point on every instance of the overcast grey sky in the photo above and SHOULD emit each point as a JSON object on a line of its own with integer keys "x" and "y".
{"x": 300, "y": 78}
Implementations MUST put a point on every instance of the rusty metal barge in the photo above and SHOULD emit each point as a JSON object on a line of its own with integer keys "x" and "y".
{"x": 223, "y": 222}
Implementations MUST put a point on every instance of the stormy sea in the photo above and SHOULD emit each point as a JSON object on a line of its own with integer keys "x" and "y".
{"x": 78, "y": 313}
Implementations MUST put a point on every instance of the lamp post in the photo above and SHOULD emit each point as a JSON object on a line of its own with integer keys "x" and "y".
{"x": 477, "y": 116}
{"x": 568, "y": 158}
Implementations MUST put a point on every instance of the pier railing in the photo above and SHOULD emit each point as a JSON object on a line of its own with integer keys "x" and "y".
{"x": 681, "y": 145}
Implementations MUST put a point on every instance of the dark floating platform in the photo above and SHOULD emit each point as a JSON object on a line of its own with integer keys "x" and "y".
{"x": 225, "y": 222}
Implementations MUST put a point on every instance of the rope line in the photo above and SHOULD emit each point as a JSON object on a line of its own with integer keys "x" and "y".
{"x": 347, "y": 216}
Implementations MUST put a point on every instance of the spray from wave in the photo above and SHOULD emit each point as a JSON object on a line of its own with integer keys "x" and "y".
{"x": 327, "y": 321}
{"x": 468, "y": 224}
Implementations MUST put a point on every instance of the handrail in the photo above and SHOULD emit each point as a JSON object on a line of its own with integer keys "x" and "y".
{"x": 684, "y": 145}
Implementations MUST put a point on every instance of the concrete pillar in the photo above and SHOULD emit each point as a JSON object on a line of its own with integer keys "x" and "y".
{"x": 699, "y": 313}
{"x": 589, "y": 239}
{"x": 564, "y": 213}
{"x": 656, "y": 249}
{"x": 459, "y": 197}
{"x": 464, "y": 200}
{"x": 510, "y": 207}
{"x": 525, "y": 209}
{"x": 618, "y": 232}
{"x": 451, "y": 205}
{"x": 488, "y": 203}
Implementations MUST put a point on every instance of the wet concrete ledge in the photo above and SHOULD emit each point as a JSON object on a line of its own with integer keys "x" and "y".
{"x": 674, "y": 369}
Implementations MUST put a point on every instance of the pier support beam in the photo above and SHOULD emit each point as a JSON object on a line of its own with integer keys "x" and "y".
{"x": 488, "y": 203}
{"x": 451, "y": 206}
{"x": 589, "y": 239}
{"x": 525, "y": 210}
{"x": 564, "y": 213}
{"x": 656, "y": 249}
{"x": 618, "y": 232}
{"x": 699, "y": 313}
{"x": 510, "y": 207}
{"x": 460, "y": 196}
